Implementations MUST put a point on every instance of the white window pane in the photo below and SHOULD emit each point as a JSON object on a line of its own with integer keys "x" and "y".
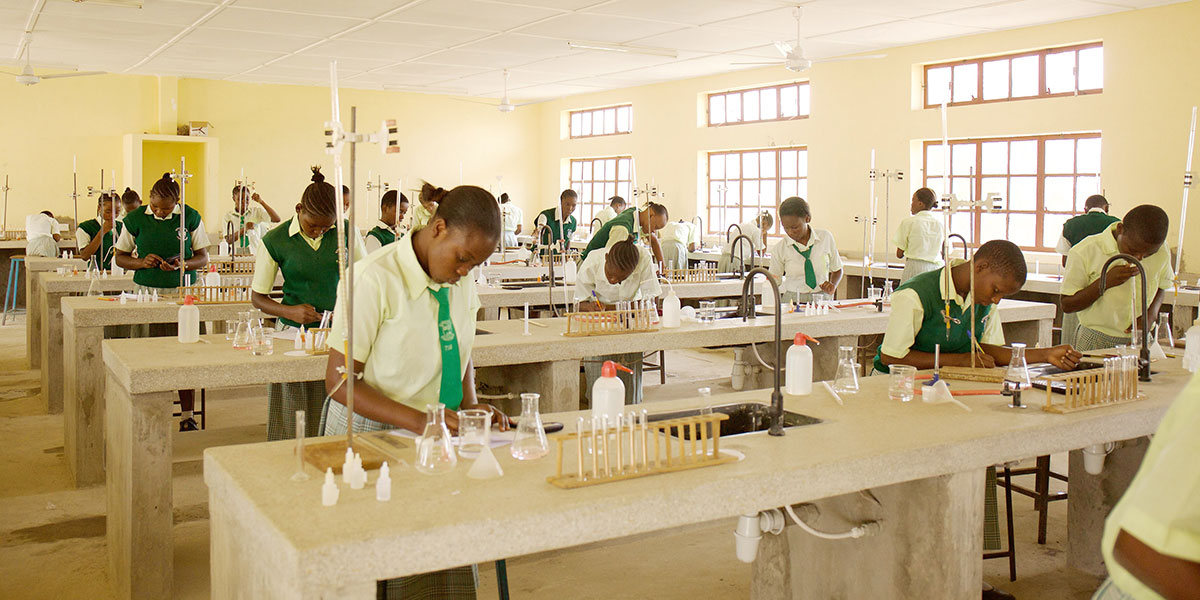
{"x": 1022, "y": 157}
{"x": 610, "y": 168}
{"x": 1060, "y": 194}
{"x": 1052, "y": 225}
{"x": 1091, "y": 68}
{"x": 995, "y": 158}
{"x": 622, "y": 191}
{"x": 769, "y": 104}
{"x": 610, "y": 190}
{"x": 933, "y": 160}
{"x": 788, "y": 188}
{"x": 750, "y": 193}
{"x": 750, "y": 165}
{"x": 789, "y": 101}
{"x": 995, "y": 79}
{"x": 733, "y": 216}
{"x": 576, "y": 124}
{"x": 993, "y": 226}
{"x": 1022, "y": 229}
{"x": 802, "y": 160}
{"x": 994, "y": 185}
{"x": 937, "y": 85}
{"x": 610, "y": 121}
{"x": 716, "y": 109}
{"x": 787, "y": 163}
{"x": 733, "y": 108}
{"x": 802, "y": 188}
{"x": 716, "y": 166}
{"x": 587, "y": 124}
{"x": 1060, "y": 156}
{"x": 962, "y": 187}
{"x": 733, "y": 197}
{"x": 750, "y": 105}
{"x": 1025, "y": 76}
{"x": 576, "y": 170}
{"x": 935, "y": 184}
{"x": 962, "y": 224}
{"x": 598, "y": 193}
{"x": 623, "y": 119}
{"x": 1084, "y": 187}
{"x": 623, "y": 169}
{"x": 966, "y": 82}
{"x": 599, "y": 171}
{"x": 587, "y": 171}
{"x": 733, "y": 166}
{"x": 766, "y": 165}
{"x": 766, "y": 194}
{"x": 963, "y": 159}
{"x": 805, "y": 99}
{"x": 1060, "y": 72}
{"x": 714, "y": 193}
{"x": 1087, "y": 155}
{"x": 1022, "y": 193}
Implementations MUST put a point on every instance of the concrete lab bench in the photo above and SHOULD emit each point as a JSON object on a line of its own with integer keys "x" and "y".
{"x": 272, "y": 538}
{"x": 496, "y": 299}
{"x": 33, "y": 317}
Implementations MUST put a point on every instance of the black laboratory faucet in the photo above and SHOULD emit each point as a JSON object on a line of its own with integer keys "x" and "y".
{"x": 748, "y": 313}
{"x": 966, "y": 249}
{"x": 738, "y": 261}
{"x": 1144, "y": 360}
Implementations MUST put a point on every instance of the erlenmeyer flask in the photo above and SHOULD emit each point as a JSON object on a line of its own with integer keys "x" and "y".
{"x": 435, "y": 447}
{"x": 530, "y": 442}
{"x": 846, "y": 381}
{"x": 1017, "y": 376}
{"x": 241, "y": 337}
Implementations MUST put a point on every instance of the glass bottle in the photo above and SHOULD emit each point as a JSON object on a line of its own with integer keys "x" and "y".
{"x": 530, "y": 442}
{"x": 435, "y": 447}
{"x": 241, "y": 337}
{"x": 846, "y": 381}
{"x": 1017, "y": 376}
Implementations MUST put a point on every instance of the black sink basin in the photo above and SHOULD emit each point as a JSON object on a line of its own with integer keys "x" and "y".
{"x": 744, "y": 417}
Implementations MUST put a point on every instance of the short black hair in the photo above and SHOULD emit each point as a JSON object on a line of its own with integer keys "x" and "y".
{"x": 1095, "y": 201}
{"x": 926, "y": 196}
{"x": 658, "y": 209}
{"x": 615, "y": 200}
{"x": 471, "y": 207}
{"x": 345, "y": 189}
{"x": 388, "y": 199}
{"x": 1148, "y": 222}
{"x": 47, "y": 213}
{"x": 794, "y": 207}
{"x": 624, "y": 254}
{"x": 568, "y": 193}
{"x": 129, "y": 196}
{"x": 236, "y": 189}
{"x": 1005, "y": 258}
{"x": 504, "y": 198}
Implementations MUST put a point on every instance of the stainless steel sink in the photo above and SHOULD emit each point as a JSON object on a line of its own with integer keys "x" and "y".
{"x": 744, "y": 417}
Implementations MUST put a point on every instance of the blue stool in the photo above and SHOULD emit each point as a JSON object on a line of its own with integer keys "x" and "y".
{"x": 10, "y": 292}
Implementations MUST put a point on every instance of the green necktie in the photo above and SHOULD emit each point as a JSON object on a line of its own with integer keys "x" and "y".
{"x": 810, "y": 274}
{"x": 451, "y": 393}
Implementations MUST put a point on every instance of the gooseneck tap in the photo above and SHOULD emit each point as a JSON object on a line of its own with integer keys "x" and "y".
{"x": 749, "y": 313}
{"x": 1144, "y": 360}
{"x": 966, "y": 248}
{"x": 701, "y": 229}
{"x": 738, "y": 260}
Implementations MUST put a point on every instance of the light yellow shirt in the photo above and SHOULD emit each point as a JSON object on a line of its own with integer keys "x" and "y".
{"x": 619, "y": 233}
{"x": 787, "y": 263}
{"x": 605, "y": 215}
{"x": 511, "y": 216}
{"x": 1110, "y": 313}
{"x": 420, "y": 216}
{"x": 679, "y": 231}
{"x": 1161, "y": 508}
{"x": 265, "y": 267}
{"x": 254, "y": 214}
{"x": 642, "y": 283}
{"x": 396, "y": 324}
{"x": 920, "y": 236}
{"x": 750, "y": 230}
{"x": 908, "y": 314}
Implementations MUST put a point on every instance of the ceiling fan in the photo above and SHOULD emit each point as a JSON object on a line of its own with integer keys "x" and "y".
{"x": 793, "y": 54}
{"x": 28, "y": 77}
{"x": 504, "y": 106}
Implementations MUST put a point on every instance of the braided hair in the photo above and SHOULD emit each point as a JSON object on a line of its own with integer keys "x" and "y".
{"x": 624, "y": 255}
{"x": 319, "y": 198}
{"x": 166, "y": 188}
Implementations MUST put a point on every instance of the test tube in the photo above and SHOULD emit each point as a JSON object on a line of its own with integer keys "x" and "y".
{"x": 607, "y": 462}
{"x": 300, "y": 475}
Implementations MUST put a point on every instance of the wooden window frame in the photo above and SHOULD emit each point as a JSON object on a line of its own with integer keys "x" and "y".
{"x": 588, "y": 206}
{"x": 1009, "y": 58}
{"x": 1039, "y": 211}
{"x": 592, "y": 113}
{"x": 778, "y": 103}
{"x": 710, "y": 202}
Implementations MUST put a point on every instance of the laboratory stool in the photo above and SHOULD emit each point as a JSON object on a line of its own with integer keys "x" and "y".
{"x": 1009, "y": 552}
{"x": 14, "y": 281}
{"x": 196, "y": 412}
{"x": 1041, "y": 491}
{"x": 660, "y": 366}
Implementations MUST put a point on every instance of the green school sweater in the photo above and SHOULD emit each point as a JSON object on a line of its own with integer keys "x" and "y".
{"x": 568, "y": 228}
{"x": 309, "y": 276}
{"x": 933, "y": 326}
{"x": 384, "y": 235}
{"x": 160, "y": 237}
{"x": 1086, "y": 225}
{"x": 627, "y": 219}
{"x": 104, "y": 254}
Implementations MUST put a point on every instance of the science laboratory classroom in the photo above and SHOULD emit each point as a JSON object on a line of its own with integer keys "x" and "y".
{"x": 599, "y": 299}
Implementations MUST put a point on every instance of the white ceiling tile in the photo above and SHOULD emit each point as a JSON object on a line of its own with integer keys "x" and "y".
{"x": 813, "y": 48}
{"x": 355, "y": 49}
{"x": 312, "y": 61}
{"x": 250, "y": 19}
{"x": 563, "y": 5}
{"x": 317, "y": 74}
{"x": 229, "y": 38}
{"x": 471, "y": 13}
{"x": 780, "y": 23}
{"x": 361, "y": 9}
{"x": 695, "y": 12}
{"x": 706, "y": 39}
{"x": 207, "y": 58}
{"x": 104, "y": 28}
{"x": 492, "y": 83}
{"x": 899, "y": 33}
{"x": 525, "y": 45}
{"x": 599, "y": 28}
{"x": 1022, "y": 13}
{"x": 908, "y": 9}
{"x": 433, "y": 71}
{"x": 167, "y": 12}
{"x": 683, "y": 69}
{"x": 595, "y": 62}
{"x": 1140, "y": 3}
{"x": 477, "y": 59}
{"x": 278, "y": 80}
{"x": 547, "y": 91}
{"x": 410, "y": 33}
{"x": 378, "y": 79}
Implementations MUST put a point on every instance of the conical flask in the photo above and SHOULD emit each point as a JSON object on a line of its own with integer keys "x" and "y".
{"x": 435, "y": 447}
{"x": 530, "y": 442}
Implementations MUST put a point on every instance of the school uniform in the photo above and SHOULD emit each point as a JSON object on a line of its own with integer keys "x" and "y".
{"x": 379, "y": 236}
{"x": 511, "y": 217}
{"x": 232, "y": 222}
{"x": 1104, "y": 324}
{"x": 804, "y": 267}
{"x": 88, "y": 230}
{"x": 1160, "y": 506}
{"x": 606, "y": 215}
{"x": 745, "y": 250}
{"x": 674, "y": 238}
{"x": 39, "y": 235}
{"x": 559, "y": 228}
{"x": 616, "y": 229}
{"x": 1075, "y": 230}
{"x": 146, "y": 233}
{"x": 421, "y": 216}
{"x": 310, "y": 276}
{"x": 414, "y": 337}
{"x": 921, "y": 237}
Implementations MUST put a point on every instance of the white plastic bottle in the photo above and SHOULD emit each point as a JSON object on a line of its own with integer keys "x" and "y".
{"x": 1191, "y": 355}
{"x": 799, "y": 371}
{"x": 608, "y": 393}
{"x": 570, "y": 272}
{"x": 189, "y": 321}
{"x": 671, "y": 310}
{"x": 212, "y": 281}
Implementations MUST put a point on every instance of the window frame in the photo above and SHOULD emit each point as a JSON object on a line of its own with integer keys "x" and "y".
{"x": 585, "y": 200}
{"x": 776, "y": 88}
{"x": 1039, "y": 211}
{"x": 599, "y": 111}
{"x": 1009, "y": 58}
{"x": 709, "y": 205}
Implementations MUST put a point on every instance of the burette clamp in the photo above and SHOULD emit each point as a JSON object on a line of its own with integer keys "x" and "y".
{"x": 1187, "y": 179}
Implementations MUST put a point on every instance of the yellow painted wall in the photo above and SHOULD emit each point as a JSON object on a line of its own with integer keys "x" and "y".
{"x": 163, "y": 157}
{"x": 856, "y": 106}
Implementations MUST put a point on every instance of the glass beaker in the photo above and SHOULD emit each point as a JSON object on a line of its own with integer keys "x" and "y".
{"x": 1017, "y": 376}
{"x": 231, "y": 326}
{"x": 707, "y": 312}
{"x": 241, "y": 337}
{"x": 900, "y": 386}
{"x": 261, "y": 341}
{"x": 846, "y": 381}
{"x": 530, "y": 443}
{"x": 435, "y": 447}
{"x": 874, "y": 293}
{"x": 472, "y": 431}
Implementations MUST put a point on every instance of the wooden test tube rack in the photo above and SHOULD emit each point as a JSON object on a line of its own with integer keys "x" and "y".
{"x": 699, "y": 275}
{"x": 234, "y": 266}
{"x": 653, "y": 450}
{"x": 610, "y": 322}
{"x": 214, "y": 294}
{"x": 319, "y": 348}
{"x": 1092, "y": 388}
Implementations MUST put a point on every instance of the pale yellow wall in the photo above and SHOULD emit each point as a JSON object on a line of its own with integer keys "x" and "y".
{"x": 856, "y": 106}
